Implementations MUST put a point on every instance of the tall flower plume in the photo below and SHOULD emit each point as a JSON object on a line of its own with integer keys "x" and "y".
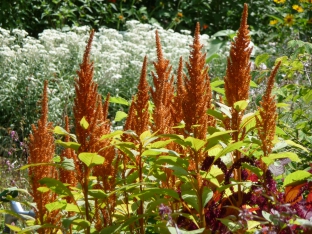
{"x": 138, "y": 117}
{"x": 41, "y": 150}
{"x": 266, "y": 123}
{"x": 162, "y": 93}
{"x": 198, "y": 94}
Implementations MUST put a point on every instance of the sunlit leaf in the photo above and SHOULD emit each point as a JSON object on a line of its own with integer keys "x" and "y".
{"x": 71, "y": 145}
{"x": 84, "y": 123}
{"x": 56, "y": 205}
{"x": 120, "y": 115}
{"x": 295, "y": 177}
{"x": 241, "y": 105}
{"x": 292, "y": 156}
{"x": 56, "y": 186}
{"x": 91, "y": 159}
{"x": 229, "y": 148}
{"x": 111, "y": 135}
{"x": 119, "y": 100}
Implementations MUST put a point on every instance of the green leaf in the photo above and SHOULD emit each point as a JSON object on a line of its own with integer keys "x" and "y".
{"x": 252, "y": 224}
{"x": 232, "y": 225}
{"x": 292, "y": 156}
{"x": 119, "y": 100}
{"x": 72, "y": 208}
{"x": 13, "y": 228}
{"x": 291, "y": 143}
{"x": 296, "y": 176}
{"x": 190, "y": 198}
{"x": 43, "y": 189}
{"x": 36, "y": 165}
{"x": 207, "y": 195}
{"x": 215, "y": 114}
{"x": 224, "y": 33}
{"x": 217, "y": 134}
{"x": 111, "y": 135}
{"x": 279, "y": 131}
{"x": 56, "y": 205}
{"x": 56, "y": 186}
{"x": 81, "y": 222}
{"x": 225, "y": 109}
{"x": 60, "y": 131}
{"x": 262, "y": 58}
{"x": 229, "y": 148}
{"x": 96, "y": 193}
{"x": 160, "y": 144}
{"x": 84, "y": 123}
{"x": 196, "y": 144}
{"x": 216, "y": 83}
{"x": 280, "y": 20}
{"x": 241, "y": 105}
{"x": 253, "y": 84}
{"x": 71, "y": 145}
{"x": 253, "y": 169}
{"x": 172, "y": 160}
{"x": 91, "y": 159}
{"x": 248, "y": 122}
{"x": 120, "y": 115}
{"x": 270, "y": 217}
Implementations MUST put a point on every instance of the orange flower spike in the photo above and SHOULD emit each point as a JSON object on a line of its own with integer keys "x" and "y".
{"x": 41, "y": 150}
{"x": 198, "y": 94}
{"x": 141, "y": 102}
{"x": 266, "y": 123}
{"x": 237, "y": 79}
{"x": 162, "y": 93}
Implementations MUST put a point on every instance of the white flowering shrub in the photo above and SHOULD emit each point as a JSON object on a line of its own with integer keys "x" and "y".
{"x": 25, "y": 62}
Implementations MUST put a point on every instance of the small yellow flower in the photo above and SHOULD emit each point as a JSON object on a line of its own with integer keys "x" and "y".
{"x": 280, "y": 1}
{"x": 180, "y": 15}
{"x": 121, "y": 17}
{"x": 289, "y": 20}
{"x": 297, "y": 8}
{"x": 273, "y": 22}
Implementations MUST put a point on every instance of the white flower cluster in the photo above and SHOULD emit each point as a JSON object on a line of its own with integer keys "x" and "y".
{"x": 25, "y": 62}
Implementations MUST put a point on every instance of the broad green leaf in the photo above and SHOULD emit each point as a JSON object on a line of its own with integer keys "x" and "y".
{"x": 268, "y": 161}
{"x": 210, "y": 58}
{"x": 291, "y": 143}
{"x": 190, "y": 198}
{"x": 10, "y": 212}
{"x": 84, "y": 123}
{"x": 13, "y": 228}
{"x": 71, "y": 145}
{"x": 253, "y": 169}
{"x": 196, "y": 144}
{"x": 214, "y": 47}
{"x": 206, "y": 195}
{"x": 160, "y": 144}
{"x": 97, "y": 193}
{"x": 253, "y": 84}
{"x": 43, "y": 189}
{"x": 56, "y": 186}
{"x": 151, "y": 192}
{"x": 60, "y": 131}
{"x": 225, "y": 109}
{"x": 81, "y": 222}
{"x": 279, "y": 131}
{"x": 262, "y": 58}
{"x": 282, "y": 105}
{"x": 296, "y": 176}
{"x": 248, "y": 122}
{"x": 215, "y": 114}
{"x": 217, "y": 134}
{"x": 241, "y": 105}
{"x": 177, "y": 170}
{"x": 56, "y": 205}
{"x": 229, "y": 149}
{"x": 233, "y": 226}
{"x": 217, "y": 83}
{"x": 119, "y": 100}
{"x": 279, "y": 19}
{"x": 120, "y": 115}
{"x": 252, "y": 224}
{"x": 151, "y": 152}
{"x": 111, "y": 135}
{"x": 270, "y": 217}
{"x": 292, "y": 156}
{"x": 214, "y": 150}
{"x": 72, "y": 208}
{"x": 307, "y": 98}
{"x": 91, "y": 159}
{"x": 172, "y": 160}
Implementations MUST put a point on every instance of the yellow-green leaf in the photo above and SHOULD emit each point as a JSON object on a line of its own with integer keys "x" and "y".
{"x": 241, "y": 105}
{"x": 120, "y": 115}
{"x": 91, "y": 159}
{"x": 292, "y": 156}
{"x": 84, "y": 123}
{"x": 296, "y": 176}
{"x": 56, "y": 205}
